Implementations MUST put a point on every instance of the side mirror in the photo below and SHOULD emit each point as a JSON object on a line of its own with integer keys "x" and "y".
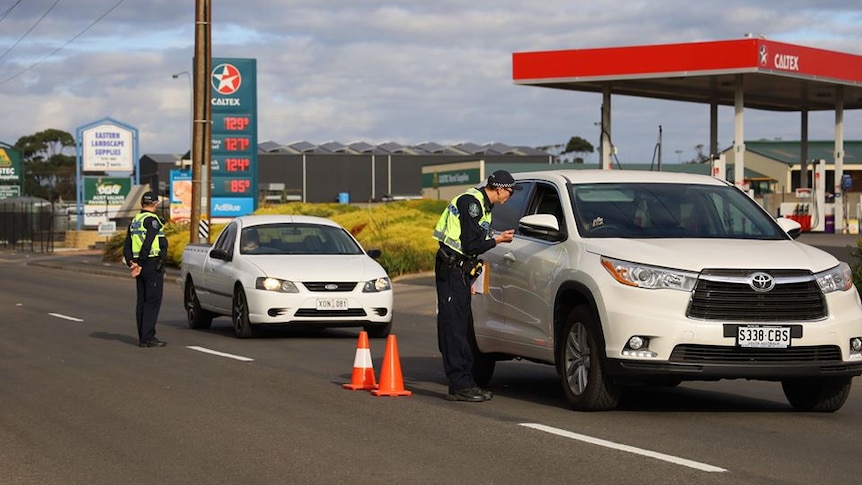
{"x": 544, "y": 226}
{"x": 374, "y": 253}
{"x": 220, "y": 254}
{"x": 791, "y": 227}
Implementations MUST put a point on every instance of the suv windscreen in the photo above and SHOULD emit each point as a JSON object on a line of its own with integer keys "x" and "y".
{"x": 644, "y": 210}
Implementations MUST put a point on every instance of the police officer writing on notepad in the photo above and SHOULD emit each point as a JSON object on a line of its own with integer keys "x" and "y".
{"x": 464, "y": 232}
{"x": 145, "y": 251}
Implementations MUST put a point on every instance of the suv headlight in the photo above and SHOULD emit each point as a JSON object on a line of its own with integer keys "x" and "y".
{"x": 275, "y": 284}
{"x": 837, "y": 278}
{"x": 380, "y": 284}
{"x": 650, "y": 277}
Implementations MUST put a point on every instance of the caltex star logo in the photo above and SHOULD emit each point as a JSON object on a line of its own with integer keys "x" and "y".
{"x": 226, "y": 79}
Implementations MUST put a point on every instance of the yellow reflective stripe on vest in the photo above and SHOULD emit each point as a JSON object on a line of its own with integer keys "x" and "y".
{"x": 448, "y": 230}
{"x": 138, "y": 233}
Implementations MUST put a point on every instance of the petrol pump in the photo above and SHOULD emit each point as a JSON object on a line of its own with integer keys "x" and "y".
{"x": 817, "y": 207}
{"x": 719, "y": 166}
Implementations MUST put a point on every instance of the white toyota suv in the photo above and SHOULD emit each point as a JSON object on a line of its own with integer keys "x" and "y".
{"x": 622, "y": 278}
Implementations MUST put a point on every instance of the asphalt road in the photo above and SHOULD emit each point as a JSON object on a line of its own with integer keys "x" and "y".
{"x": 83, "y": 404}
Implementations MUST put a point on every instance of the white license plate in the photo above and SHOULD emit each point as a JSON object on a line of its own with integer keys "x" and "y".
{"x": 332, "y": 303}
{"x": 763, "y": 337}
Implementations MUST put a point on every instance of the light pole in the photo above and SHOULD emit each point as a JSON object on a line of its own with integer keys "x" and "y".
{"x": 678, "y": 152}
{"x": 191, "y": 110}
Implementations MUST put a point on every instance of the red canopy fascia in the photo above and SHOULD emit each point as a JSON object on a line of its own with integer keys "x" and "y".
{"x": 777, "y": 76}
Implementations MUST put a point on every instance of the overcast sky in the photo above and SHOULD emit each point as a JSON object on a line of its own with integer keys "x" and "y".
{"x": 376, "y": 71}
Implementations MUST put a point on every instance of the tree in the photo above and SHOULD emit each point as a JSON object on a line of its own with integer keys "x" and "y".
{"x": 575, "y": 145}
{"x": 554, "y": 150}
{"x": 578, "y": 145}
{"x": 49, "y": 172}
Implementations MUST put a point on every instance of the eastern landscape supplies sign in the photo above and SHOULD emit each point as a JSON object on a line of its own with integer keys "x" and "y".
{"x": 108, "y": 147}
{"x": 103, "y": 197}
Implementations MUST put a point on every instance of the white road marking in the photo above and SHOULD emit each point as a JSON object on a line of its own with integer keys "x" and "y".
{"x": 66, "y": 317}
{"x": 220, "y": 354}
{"x": 631, "y": 449}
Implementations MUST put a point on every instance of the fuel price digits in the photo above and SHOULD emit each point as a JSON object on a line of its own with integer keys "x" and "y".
{"x": 236, "y": 144}
{"x": 236, "y": 123}
{"x": 237, "y": 186}
{"x": 237, "y": 164}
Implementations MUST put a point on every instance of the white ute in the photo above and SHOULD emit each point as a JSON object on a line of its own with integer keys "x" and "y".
{"x": 286, "y": 270}
{"x": 622, "y": 278}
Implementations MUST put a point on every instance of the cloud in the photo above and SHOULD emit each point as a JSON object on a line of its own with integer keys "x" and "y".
{"x": 403, "y": 71}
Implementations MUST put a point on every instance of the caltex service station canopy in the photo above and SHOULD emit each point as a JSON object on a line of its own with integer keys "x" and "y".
{"x": 748, "y": 72}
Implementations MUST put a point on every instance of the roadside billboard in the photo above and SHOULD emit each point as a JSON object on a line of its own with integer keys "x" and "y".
{"x": 10, "y": 172}
{"x": 181, "y": 196}
{"x": 103, "y": 197}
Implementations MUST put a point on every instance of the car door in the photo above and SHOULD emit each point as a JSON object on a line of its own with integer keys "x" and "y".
{"x": 218, "y": 277}
{"x": 489, "y": 312}
{"x": 526, "y": 276}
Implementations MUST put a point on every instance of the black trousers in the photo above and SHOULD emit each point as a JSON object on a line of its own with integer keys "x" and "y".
{"x": 150, "y": 288}
{"x": 453, "y": 320}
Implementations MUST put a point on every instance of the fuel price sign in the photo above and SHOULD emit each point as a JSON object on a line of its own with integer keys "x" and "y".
{"x": 234, "y": 137}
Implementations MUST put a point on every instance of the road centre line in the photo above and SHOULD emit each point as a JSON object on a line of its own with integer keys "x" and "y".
{"x": 630, "y": 449}
{"x": 66, "y": 317}
{"x": 220, "y": 354}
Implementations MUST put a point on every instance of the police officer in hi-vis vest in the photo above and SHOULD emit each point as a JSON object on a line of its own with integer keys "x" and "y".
{"x": 464, "y": 232}
{"x": 145, "y": 252}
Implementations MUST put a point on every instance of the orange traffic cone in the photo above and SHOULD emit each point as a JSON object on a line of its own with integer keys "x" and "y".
{"x": 391, "y": 383}
{"x": 363, "y": 368}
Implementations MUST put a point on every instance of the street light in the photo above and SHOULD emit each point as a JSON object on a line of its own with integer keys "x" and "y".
{"x": 191, "y": 110}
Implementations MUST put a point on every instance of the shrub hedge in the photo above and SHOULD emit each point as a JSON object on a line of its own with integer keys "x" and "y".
{"x": 401, "y": 230}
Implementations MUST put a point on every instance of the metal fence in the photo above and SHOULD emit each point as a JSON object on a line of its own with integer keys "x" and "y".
{"x": 32, "y": 224}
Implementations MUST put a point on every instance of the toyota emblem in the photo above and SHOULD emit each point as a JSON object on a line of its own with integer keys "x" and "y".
{"x": 761, "y": 282}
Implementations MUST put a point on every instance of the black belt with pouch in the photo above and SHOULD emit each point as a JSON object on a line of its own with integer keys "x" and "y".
{"x": 452, "y": 259}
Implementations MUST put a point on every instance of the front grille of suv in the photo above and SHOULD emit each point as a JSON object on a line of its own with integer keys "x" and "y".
{"x": 725, "y": 295}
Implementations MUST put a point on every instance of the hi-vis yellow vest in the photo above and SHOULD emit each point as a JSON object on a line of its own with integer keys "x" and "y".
{"x": 139, "y": 233}
{"x": 448, "y": 230}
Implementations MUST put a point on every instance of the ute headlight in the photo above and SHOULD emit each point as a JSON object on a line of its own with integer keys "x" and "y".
{"x": 650, "y": 277}
{"x": 380, "y": 284}
{"x": 835, "y": 279}
{"x": 275, "y": 284}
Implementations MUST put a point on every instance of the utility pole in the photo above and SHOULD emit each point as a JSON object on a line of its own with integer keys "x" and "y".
{"x": 202, "y": 131}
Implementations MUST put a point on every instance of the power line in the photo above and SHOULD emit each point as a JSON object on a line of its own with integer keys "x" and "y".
{"x": 73, "y": 39}
{"x": 30, "y": 29}
{"x": 8, "y": 10}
